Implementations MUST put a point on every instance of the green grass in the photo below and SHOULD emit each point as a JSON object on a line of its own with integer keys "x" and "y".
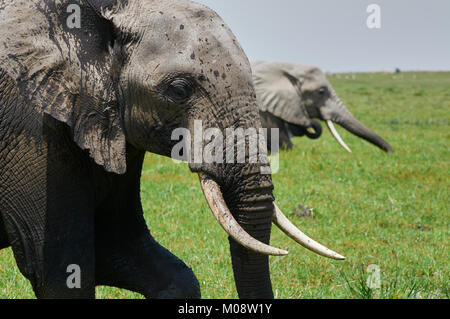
{"x": 376, "y": 209}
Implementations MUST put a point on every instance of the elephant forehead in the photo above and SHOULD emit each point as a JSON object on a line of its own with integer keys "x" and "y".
{"x": 193, "y": 40}
{"x": 315, "y": 81}
{"x": 311, "y": 76}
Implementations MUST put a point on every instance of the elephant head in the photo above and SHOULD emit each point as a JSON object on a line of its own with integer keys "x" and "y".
{"x": 135, "y": 72}
{"x": 297, "y": 94}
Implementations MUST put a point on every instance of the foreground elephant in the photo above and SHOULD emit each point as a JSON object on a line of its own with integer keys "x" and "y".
{"x": 79, "y": 107}
{"x": 290, "y": 96}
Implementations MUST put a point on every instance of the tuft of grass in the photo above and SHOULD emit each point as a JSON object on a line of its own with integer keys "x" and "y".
{"x": 374, "y": 208}
{"x": 396, "y": 287}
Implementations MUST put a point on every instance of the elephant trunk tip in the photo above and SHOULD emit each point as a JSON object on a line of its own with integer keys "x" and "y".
{"x": 388, "y": 149}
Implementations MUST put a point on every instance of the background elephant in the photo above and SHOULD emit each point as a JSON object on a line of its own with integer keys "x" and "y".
{"x": 290, "y": 96}
{"x": 79, "y": 107}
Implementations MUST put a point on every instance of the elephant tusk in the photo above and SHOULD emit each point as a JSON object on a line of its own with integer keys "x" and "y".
{"x": 289, "y": 229}
{"x": 219, "y": 208}
{"x": 337, "y": 136}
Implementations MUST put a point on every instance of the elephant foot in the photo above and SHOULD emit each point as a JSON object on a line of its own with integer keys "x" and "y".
{"x": 142, "y": 265}
{"x": 185, "y": 286}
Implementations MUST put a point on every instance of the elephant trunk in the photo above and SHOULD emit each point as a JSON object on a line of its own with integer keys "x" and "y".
{"x": 344, "y": 118}
{"x": 242, "y": 201}
{"x": 355, "y": 127}
{"x": 254, "y": 212}
{"x": 240, "y": 195}
{"x": 253, "y": 208}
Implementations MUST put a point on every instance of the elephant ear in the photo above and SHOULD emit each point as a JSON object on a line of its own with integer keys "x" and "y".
{"x": 70, "y": 73}
{"x": 279, "y": 92}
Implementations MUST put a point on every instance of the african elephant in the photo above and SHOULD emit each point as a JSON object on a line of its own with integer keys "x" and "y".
{"x": 80, "y": 106}
{"x": 290, "y": 96}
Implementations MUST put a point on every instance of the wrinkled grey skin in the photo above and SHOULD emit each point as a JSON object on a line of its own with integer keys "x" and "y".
{"x": 290, "y": 96}
{"x": 78, "y": 110}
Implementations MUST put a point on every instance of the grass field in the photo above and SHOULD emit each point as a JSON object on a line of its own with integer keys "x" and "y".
{"x": 391, "y": 211}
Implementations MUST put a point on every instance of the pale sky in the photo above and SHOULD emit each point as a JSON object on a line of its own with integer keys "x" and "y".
{"x": 332, "y": 34}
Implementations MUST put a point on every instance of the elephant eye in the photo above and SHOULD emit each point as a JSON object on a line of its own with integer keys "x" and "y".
{"x": 179, "y": 90}
{"x": 322, "y": 91}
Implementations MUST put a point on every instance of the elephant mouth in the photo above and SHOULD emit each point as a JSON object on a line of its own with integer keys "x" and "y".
{"x": 220, "y": 210}
{"x": 313, "y": 131}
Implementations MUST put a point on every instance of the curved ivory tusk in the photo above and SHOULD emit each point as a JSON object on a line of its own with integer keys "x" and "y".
{"x": 337, "y": 136}
{"x": 215, "y": 200}
{"x": 289, "y": 229}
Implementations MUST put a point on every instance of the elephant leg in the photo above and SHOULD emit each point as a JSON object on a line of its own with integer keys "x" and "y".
{"x": 48, "y": 241}
{"x": 128, "y": 257}
{"x": 281, "y": 142}
{"x": 4, "y": 242}
{"x": 285, "y": 140}
{"x": 48, "y": 215}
